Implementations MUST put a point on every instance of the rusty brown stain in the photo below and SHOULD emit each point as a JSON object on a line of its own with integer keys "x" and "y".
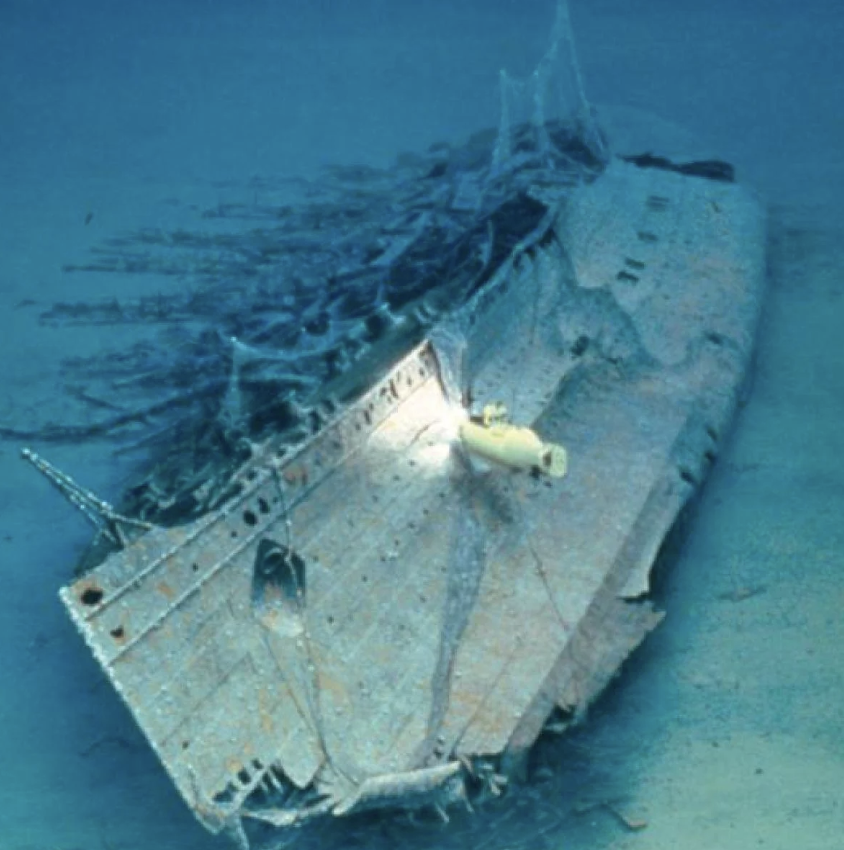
{"x": 264, "y": 704}
{"x": 267, "y": 723}
{"x": 331, "y": 685}
{"x": 269, "y": 619}
{"x": 165, "y": 588}
{"x": 296, "y": 475}
{"x": 272, "y": 593}
{"x": 119, "y": 633}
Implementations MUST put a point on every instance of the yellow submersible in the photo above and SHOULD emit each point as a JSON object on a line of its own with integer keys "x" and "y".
{"x": 493, "y": 438}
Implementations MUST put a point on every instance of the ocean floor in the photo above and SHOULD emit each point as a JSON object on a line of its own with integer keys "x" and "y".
{"x": 726, "y": 729}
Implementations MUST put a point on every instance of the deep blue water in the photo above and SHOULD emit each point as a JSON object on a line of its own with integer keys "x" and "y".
{"x": 725, "y": 730}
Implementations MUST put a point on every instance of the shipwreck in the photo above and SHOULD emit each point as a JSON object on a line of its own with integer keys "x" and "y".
{"x": 414, "y": 458}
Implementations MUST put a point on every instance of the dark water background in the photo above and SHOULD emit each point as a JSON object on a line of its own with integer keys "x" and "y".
{"x": 726, "y": 730}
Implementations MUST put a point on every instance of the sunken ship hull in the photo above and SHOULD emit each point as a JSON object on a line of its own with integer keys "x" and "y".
{"x": 415, "y": 521}
{"x": 373, "y": 620}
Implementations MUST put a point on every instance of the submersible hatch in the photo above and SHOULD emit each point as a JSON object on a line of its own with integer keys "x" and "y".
{"x": 385, "y": 607}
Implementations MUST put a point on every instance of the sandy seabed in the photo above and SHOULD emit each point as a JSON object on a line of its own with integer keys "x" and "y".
{"x": 726, "y": 729}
